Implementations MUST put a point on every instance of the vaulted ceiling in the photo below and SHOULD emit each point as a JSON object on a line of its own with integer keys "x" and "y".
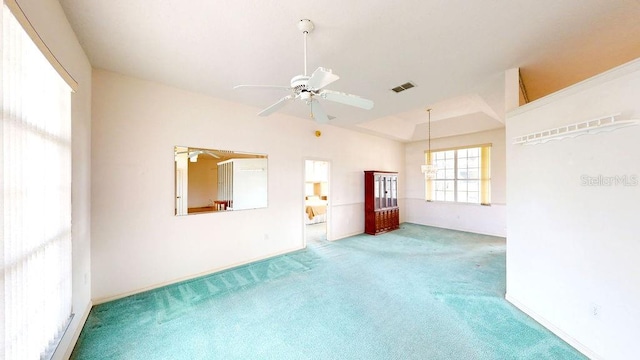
{"x": 455, "y": 52}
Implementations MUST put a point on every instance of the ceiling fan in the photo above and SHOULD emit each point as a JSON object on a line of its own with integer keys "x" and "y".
{"x": 311, "y": 88}
{"x": 192, "y": 154}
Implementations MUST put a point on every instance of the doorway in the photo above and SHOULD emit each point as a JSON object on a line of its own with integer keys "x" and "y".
{"x": 316, "y": 201}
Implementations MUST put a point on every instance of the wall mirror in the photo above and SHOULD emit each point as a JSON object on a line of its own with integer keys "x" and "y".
{"x": 208, "y": 180}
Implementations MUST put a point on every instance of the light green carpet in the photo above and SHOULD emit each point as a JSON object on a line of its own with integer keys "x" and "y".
{"x": 416, "y": 293}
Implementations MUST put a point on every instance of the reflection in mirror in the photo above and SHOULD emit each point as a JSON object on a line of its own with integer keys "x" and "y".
{"x": 208, "y": 180}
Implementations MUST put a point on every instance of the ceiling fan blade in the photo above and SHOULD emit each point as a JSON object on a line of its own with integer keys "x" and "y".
{"x": 317, "y": 112}
{"x": 347, "y": 99}
{"x": 262, "y": 87}
{"x": 210, "y": 153}
{"x": 321, "y": 78}
{"x": 275, "y": 107}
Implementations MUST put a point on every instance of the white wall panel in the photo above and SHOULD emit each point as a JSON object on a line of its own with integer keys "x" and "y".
{"x": 572, "y": 248}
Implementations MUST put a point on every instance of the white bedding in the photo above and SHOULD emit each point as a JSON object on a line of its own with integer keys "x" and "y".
{"x": 316, "y": 219}
{"x": 316, "y": 204}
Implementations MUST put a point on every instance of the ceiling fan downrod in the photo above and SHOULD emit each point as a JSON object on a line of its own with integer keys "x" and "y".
{"x": 306, "y": 26}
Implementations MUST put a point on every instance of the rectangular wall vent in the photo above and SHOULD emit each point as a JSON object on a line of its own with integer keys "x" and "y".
{"x": 403, "y": 87}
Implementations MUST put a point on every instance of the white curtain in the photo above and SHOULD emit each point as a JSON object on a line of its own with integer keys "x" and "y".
{"x": 35, "y": 223}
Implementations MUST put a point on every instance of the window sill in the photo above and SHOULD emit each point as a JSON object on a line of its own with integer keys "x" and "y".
{"x": 456, "y": 203}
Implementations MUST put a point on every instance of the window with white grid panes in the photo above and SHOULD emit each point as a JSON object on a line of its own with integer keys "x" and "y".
{"x": 462, "y": 176}
{"x": 444, "y": 186}
{"x": 468, "y": 175}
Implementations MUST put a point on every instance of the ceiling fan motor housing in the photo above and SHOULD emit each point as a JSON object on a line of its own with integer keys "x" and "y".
{"x": 299, "y": 83}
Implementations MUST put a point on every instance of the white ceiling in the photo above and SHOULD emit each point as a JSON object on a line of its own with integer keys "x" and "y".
{"x": 455, "y": 51}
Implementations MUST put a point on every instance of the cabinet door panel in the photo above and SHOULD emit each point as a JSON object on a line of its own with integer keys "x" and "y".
{"x": 386, "y": 191}
{"x": 394, "y": 191}
{"x": 378, "y": 192}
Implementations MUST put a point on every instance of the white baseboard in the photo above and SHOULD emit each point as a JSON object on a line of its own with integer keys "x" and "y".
{"x": 344, "y": 236}
{"x": 190, "y": 277}
{"x": 68, "y": 342}
{"x": 554, "y": 329}
{"x": 473, "y": 231}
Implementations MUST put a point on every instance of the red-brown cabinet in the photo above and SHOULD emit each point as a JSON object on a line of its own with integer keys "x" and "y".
{"x": 381, "y": 212}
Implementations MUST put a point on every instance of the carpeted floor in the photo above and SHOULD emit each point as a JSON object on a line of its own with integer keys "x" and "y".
{"x": 315, "y": 233}
{"x": 416, "y": 293}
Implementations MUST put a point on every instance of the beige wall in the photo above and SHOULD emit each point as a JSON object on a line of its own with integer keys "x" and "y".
{"x": 48, "y": 19}
{"x": 137, "y": 241}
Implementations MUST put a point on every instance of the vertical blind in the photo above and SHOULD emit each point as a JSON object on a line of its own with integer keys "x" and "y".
{"x": 35, "y": 223}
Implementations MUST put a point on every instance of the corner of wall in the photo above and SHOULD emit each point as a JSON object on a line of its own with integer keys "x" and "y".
{"x": 554, "y": 329}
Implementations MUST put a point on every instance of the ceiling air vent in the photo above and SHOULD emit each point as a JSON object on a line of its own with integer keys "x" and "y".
{"x": 403, "y": 87}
